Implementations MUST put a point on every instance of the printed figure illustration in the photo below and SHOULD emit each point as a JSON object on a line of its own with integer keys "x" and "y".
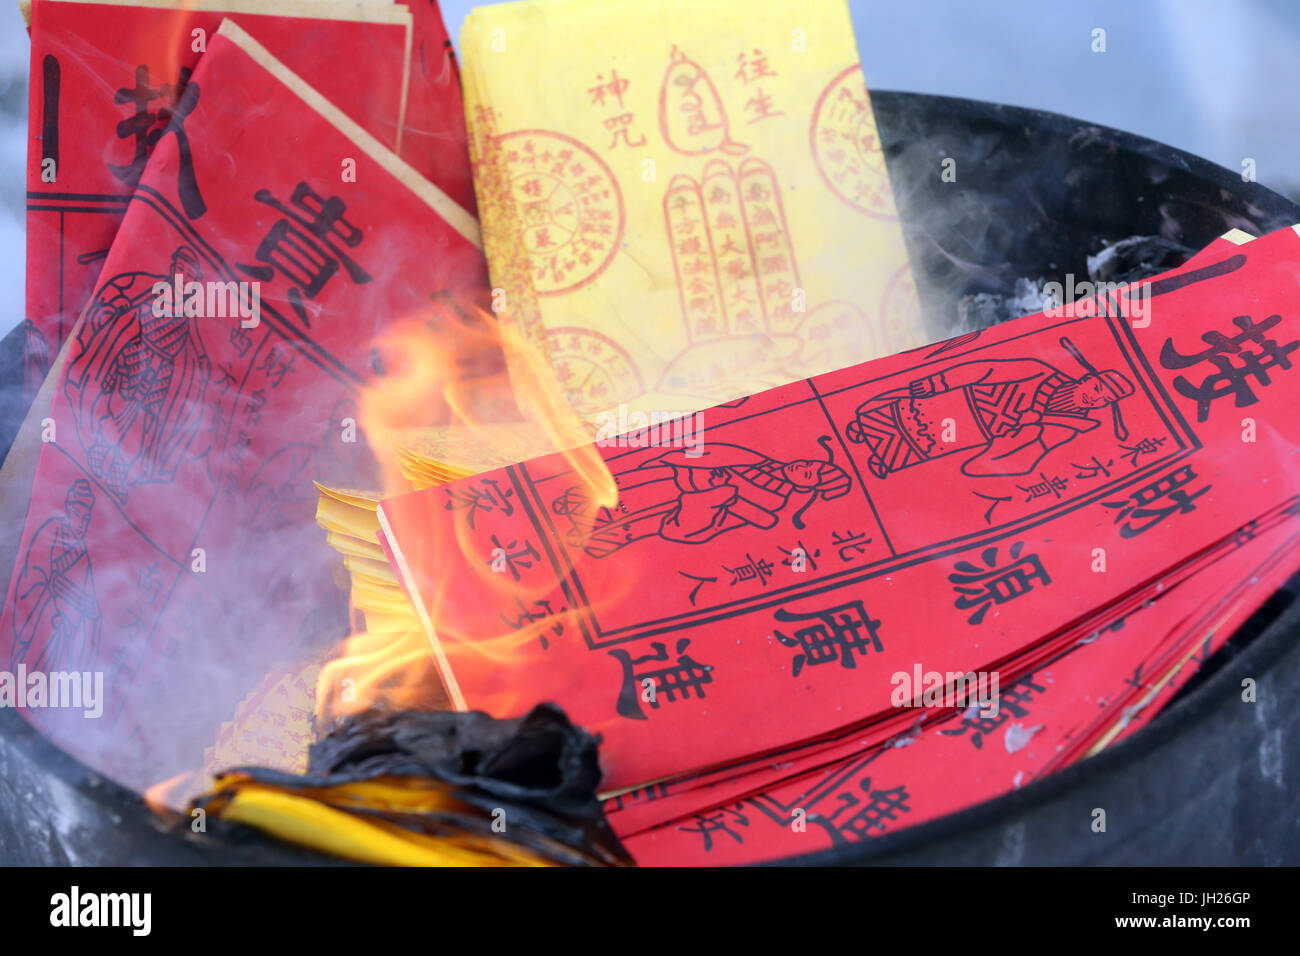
{"x": 692, "y": 499}
{"x": 137, "y": 382}
{"x": 692, "y": 116}
{"x": 1018, "y": 410}
{"x": 56, "y": 614}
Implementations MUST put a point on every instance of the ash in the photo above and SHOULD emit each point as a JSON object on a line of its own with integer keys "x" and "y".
{"x": 1126, "y": 260}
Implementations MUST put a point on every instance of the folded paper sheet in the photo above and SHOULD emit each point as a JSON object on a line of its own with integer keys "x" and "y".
{"x": 174, "y": 489}
{"x": 757, "y": 586}
{"x": 106, "y": 77}
{"x": 685, "y": 221}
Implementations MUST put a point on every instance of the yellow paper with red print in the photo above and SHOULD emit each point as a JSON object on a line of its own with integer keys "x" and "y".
{"x": 683, "y": 202}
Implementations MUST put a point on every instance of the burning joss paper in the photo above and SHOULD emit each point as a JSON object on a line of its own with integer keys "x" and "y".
{"x": 761, "y": 589}
{"x": 685, "y": 221}
{"x": 420, "y": 788}
{"x": 214, "y": 374}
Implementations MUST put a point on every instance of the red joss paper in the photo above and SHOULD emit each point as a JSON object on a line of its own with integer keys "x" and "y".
{"x": 213, "y": 375}
{"x": 1042, "y": 721}
{"x": 970, "y": 506}
{"x": 106, "y": 78}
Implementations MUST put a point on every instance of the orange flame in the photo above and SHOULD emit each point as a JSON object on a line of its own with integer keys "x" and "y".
{"x": 167, "y": 796}
{"x": 180, "y": 40}
{"x": 450, "y": 368}
{"x": 542, "y": 399}
{"x": 375, "y": 668}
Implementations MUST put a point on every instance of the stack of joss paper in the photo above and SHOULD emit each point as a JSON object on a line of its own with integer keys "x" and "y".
{"x": 655, "y": 244}
{"x": 241, "y": 221}
{"x": 107, "y": 77}
{"x": 425, "y": 457}
{"x": 884, "y": 593}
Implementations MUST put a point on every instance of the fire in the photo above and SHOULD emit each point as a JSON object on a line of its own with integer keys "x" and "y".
{"x": 449, "y": 368}
{"x": 394, "y": 669}
{"x": 433, "y": 370}
{"x": 164, "y": 797}
{"x": 540, "y": 395}
{"x": 181, "y": 40}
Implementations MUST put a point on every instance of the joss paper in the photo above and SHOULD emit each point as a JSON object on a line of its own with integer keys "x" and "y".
{"x": 943, "y": 505}
{"x": 107, "y": 77}
{"x": 683, "y": 202}
{"x": 169, "y": 541}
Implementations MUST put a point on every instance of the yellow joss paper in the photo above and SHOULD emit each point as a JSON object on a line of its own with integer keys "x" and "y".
{"x": 683, "y": 201}
{"x": 438, "y": 454}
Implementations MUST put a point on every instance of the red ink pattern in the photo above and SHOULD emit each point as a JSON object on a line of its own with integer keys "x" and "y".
{"x": 692, "y": 117}
{"x": 846, "y": 147}
{"x": 570, "y": 206}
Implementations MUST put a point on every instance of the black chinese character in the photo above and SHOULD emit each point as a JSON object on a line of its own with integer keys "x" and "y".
{"x": 752, "y": 570}
{"x": 654, "y": 685}
{"x": 486, "y": 496}
{"x": 981, "y": 588}
{"x": 1012, "y": 702}
{"x": 303, "y": 245}
{"x": 541, "y": 613}
{"x": 702, "y": 581}
{"x": 718, "y": 822}
{"x": 1235, "y": 365}
{"x": 837, "y": 634}
{"x": 1142, "y": 504}
{"x": 149, "y": 126}
{"x": 512, "y": 557}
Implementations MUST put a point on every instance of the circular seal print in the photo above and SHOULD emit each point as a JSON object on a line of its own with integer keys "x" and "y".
{"x": 846, "y": 147}
{"x": 595, "y": 372}
{"x": 569, "y": 204}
